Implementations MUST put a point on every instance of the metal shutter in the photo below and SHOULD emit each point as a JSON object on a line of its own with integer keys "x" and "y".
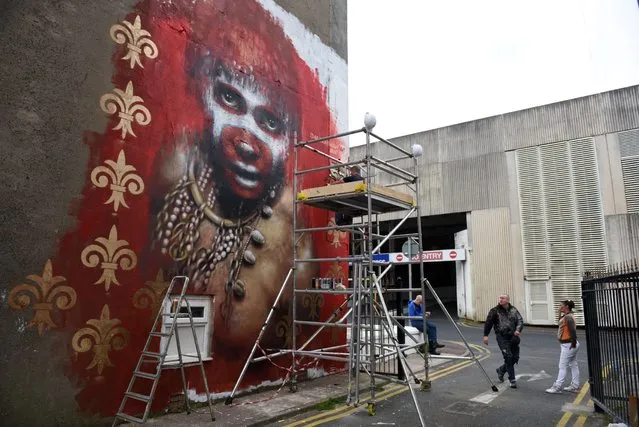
{"x": 561, "y": 224}
{"x": 491, "y": 271}
{"x": 535, "y": 241}
{"x": 629, "y": 152}
{"x": 591, "y": 243}
{"x": 559, "y": 183}
{"x": 533, "y": 219}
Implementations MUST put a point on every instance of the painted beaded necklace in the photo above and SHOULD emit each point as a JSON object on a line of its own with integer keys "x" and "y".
{"x": 186, "y": 207}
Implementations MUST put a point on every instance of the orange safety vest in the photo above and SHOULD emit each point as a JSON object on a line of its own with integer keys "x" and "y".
{"x": 563, "y": 334}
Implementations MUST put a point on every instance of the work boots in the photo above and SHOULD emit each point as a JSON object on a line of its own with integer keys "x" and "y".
{"x": 432, "y": 348}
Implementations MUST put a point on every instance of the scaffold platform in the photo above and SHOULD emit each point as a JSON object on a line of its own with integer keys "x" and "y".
{"x": 364, "y": 311}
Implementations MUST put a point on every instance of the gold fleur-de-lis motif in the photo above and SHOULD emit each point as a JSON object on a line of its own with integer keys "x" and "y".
{"x": 137, "y": 41}
{"x": 46, "y": 294}
{"x": 109, "y": 254}
{"x": 102, "y": 335}
{"x": 151, "y": 295}
{"x": 128, "y": 107}
{"x": 314, "y": 302}
{"x": 336, "y": 272}
{"x": 121, "y": 178}
{"x": 335, "y": 237}
{"x": 284, "y": 328}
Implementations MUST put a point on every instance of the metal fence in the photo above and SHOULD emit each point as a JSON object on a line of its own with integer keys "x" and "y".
{"x": 386, "y": 359}
{"x": 611, "y": 310}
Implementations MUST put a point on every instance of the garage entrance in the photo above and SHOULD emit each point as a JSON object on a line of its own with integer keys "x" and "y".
{"x": 439, "y": 238}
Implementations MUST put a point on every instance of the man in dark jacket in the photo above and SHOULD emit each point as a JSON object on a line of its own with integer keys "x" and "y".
{"x": 508, "y": 323}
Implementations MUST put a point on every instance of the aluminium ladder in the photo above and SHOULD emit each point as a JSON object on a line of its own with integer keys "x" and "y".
{"x": 148, "y": 356}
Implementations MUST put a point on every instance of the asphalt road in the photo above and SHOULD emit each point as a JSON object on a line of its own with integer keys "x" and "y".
{"x": 461, "y": 395}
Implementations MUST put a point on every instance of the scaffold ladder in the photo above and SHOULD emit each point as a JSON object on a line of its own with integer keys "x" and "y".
{"x": 365, "y": 295}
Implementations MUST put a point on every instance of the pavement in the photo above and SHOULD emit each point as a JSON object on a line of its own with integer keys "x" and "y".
{"x": 268, "y": 406}
{"x": 461, "y": 393}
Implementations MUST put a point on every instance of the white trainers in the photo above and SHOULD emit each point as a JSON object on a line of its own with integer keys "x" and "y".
{"x": 572, "y": 389}
{"x": 553, "y": 390}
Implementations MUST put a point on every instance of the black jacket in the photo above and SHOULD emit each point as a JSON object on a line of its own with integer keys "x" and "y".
{"x": 353, "y": 178}
{"x": 505, "y": 321}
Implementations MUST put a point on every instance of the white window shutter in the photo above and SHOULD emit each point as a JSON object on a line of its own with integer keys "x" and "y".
{"x": 561, "y": 223}
{"x": 569, "y": 236}
{"x": 534, "y": 235}
{"x": 533, "y": 219}
{"x": 629, "y": 152}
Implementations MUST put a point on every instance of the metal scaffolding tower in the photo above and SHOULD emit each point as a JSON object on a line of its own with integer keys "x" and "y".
{"x": 368, "y": 316}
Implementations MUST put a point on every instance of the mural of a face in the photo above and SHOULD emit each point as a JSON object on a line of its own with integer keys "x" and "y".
{"x": 192, "y": 175}
{"x": 217, "y": 216}
{"x": 249, "y": 90}
{"x": 250, "y": 135}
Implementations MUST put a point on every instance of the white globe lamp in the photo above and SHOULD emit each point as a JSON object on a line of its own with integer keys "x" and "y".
{"x": 369, "y": 121}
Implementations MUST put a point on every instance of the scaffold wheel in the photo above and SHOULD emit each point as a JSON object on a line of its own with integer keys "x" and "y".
{"x": 371, "y": 408}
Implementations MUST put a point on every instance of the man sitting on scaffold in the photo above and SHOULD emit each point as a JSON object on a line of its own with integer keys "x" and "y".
{"x": 415, "y": 309}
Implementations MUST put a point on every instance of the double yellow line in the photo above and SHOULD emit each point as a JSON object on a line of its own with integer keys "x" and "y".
{"x": 581, "y": 420}
{"x": 394, "y": 390}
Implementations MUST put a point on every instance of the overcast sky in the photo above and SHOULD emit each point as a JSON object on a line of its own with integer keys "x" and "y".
{"x": 424, "y": 64}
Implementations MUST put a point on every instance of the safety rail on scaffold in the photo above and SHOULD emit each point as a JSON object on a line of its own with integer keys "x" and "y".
{"x": 366, "y": 297}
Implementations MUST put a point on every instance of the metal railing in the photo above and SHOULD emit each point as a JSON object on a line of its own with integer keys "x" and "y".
{"x": 611, "y": 310}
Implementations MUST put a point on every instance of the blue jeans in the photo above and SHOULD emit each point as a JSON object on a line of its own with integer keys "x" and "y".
{"x": 431, "y": 331}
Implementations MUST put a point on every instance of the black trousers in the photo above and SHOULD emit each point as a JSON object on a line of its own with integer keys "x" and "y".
{"x": 510, "y": 351}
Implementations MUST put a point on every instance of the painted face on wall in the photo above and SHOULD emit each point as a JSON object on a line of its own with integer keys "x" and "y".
{"x": 223, "y": 93}
{"x": 249, "y": 136}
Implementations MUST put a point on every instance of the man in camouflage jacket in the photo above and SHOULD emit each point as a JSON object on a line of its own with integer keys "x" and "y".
{"x": 508, "y": 323}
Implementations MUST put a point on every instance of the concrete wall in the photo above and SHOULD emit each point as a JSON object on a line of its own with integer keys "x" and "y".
{"x": 471, "y": 153}
{"x": 55, "y": 66}
{"x": 471, "y": 167}
{"x": 325, "y": 18}
{"x": 59, "y": 59}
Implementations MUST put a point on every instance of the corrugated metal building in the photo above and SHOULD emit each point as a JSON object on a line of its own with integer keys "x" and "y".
{"x": 544, "y": 194}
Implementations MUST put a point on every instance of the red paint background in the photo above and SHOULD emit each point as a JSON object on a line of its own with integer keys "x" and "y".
{"x": 167, "y": 91}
